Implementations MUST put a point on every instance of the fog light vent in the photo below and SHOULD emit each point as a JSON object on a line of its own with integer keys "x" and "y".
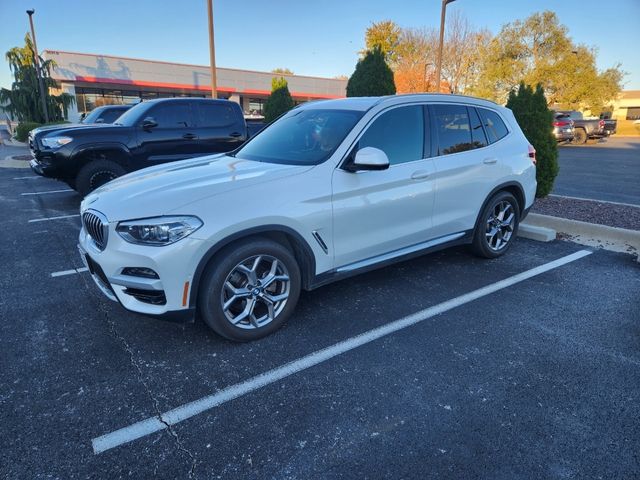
{"x": 139, "y": 272}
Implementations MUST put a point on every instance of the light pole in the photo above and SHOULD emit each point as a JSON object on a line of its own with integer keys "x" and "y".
{"x": 212, "y": 50}
{"x": 439, "y": 65}
{"x": 38, "y": 72}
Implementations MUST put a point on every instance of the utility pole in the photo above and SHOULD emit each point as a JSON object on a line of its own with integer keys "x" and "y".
{"x": 212, "y": 50}
{"x": 36, "y": 57}
{"x": 439, "y": 65}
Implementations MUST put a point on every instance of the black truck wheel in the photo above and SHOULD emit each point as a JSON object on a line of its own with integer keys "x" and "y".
{"x": 580, "y": 136}
{"x": 95, "y": 174}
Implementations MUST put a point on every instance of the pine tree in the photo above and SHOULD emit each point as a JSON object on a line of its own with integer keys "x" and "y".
{"x": 535, "y": 120}
{"x": 279, "y": 101}
{"x": 372, "y": 76}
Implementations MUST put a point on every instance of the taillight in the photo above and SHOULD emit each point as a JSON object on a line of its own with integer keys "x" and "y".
{"x": 532, "y": 154}
{"x": 601, "y": 123}
{"x": 561, "y": 124}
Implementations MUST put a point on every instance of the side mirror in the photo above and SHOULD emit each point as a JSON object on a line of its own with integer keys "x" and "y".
{"x": 149, "y": 123}
{"x": 369, "y": 158}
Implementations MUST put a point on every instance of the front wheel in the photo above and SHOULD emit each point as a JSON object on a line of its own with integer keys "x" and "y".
{"x": 95, "y": 174}
{"x": 250, "y": 290}
{"x": 497, "y": 226}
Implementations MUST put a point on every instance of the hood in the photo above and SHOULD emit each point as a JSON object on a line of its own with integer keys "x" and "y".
{"x": 50, "y": 128}
{"x": 164, "y": 189}
{"x": 69, "y": 128}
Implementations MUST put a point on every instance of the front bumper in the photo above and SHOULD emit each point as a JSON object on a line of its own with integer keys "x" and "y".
{"x": 166, "y": 296}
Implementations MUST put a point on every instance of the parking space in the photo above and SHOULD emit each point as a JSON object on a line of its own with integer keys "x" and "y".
{"x": 589, "y": 171}
{"x": 446, "y": 366}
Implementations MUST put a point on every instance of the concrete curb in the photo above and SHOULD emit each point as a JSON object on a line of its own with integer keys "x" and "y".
{"x": 591, "y": 234}
{"x": 533, "y": 232}
{"x": 9, "y": 162}
{"x": 14, "y": 143}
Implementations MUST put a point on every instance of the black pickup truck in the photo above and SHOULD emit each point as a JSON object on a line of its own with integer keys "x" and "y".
{"x": 153, "y": 132}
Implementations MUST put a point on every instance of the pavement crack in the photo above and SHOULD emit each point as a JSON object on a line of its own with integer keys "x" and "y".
{"x": 99, "y": 306}
{"x": 154, "y": 401}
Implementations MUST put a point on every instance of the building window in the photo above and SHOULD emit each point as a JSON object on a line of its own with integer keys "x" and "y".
{"x": 633, "y": 113}
{"x": 256, "y": 106}
{"x": 89, "y": 98}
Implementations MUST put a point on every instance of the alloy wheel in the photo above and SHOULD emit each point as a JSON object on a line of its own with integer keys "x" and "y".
{"x": 255, "y": 292}
{"x": 500, "y": 225}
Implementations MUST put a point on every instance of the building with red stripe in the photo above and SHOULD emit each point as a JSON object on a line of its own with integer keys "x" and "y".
{"x": 97, "y": 80}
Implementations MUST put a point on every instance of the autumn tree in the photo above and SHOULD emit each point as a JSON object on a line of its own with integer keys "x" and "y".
{"x": 22, "y": 100}
{"x": 372, "y": 76}
{"x": 384, "y": 35}
{"x": 279, "y": 101}
{"x": 415, "y": 61}
{"x": 538, "y": 50}
{"x": 282, "y": 71}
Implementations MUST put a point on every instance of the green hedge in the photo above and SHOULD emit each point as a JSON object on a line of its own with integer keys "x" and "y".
{"x": 23, "y": 129}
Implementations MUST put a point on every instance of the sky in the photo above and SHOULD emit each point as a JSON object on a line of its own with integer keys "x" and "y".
{"x": 320, "y": 38}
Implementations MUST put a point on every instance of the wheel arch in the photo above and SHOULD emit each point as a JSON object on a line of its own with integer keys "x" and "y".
{"x": 120, "y": 153}
{"x": 281, "y": 234}
{"x": 514, "y": 188}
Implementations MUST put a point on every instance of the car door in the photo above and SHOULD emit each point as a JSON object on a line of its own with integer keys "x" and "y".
{"x": 464, "y": 167}
{"x": 220, "y": 126}
{"x": 377, "y": 212}
{"x": 172, "y": 138}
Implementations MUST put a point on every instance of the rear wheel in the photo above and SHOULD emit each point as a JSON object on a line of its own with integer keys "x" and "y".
{"x": 250, "y": 290}
{"x": 497, "y": 226}
{"x": 580, "y": 136}
{"x": 95, "y": 174}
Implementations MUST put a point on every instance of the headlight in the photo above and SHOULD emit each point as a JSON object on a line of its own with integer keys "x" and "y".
{"x": 158, "y": 231}
{"x": 55, "y": 142}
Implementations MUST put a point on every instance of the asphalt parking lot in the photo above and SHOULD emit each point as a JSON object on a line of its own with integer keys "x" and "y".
{"x": 447, "y": 366}
{"x": 589, "y": 171}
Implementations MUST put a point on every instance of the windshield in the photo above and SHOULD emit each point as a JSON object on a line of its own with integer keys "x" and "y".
{"x": 93, "y": 115}
{"x": 304, "y": 137}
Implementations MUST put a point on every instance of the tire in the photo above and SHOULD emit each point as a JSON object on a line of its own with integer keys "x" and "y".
{"x": 235, "y": 279}
{"x": 495, "y": 245}
{"x": 95, "y": 174}
{"x": 580, "y": 136}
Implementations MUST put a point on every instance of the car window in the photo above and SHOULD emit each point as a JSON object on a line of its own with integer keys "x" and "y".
{"x": 399, "y": 133}
{"x": 211, "y": 114}
{"x": 172, "y": 115}
{"x": 478, "y": 138}
{"x": 454, "y": 130}
{"x": 110, "y": 116}
{"x": 493, "y": 125}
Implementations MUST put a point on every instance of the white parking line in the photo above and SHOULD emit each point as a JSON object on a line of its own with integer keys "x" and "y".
{"x": 69, "y": 272}
{"x": 188, "y": 410}
{"x": 30, "y": 177}
{"x": 46, "y": 219}
{"x": 50, "y": 191}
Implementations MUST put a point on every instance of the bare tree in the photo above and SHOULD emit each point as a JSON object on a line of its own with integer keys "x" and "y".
{"x": 462, "y": 52}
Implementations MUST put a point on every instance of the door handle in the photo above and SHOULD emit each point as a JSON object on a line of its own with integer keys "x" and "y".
{"x": 189, "y": 136}
{"x": 235, "y": 134}
{"x": 490, "y": 160}
{"x": 420, "y": 175}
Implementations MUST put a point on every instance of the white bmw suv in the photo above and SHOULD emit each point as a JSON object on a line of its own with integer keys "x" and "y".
{"x": 331, "y": 189}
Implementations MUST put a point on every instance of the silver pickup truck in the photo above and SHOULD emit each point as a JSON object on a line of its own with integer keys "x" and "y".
{"x": 585, "y": 129}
